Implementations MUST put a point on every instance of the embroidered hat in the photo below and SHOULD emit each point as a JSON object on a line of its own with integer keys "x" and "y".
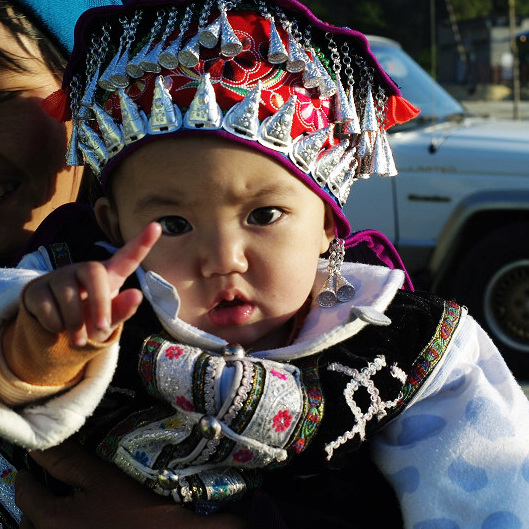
{"x": 265, "y": 73}
{"x": 58, "y": 17}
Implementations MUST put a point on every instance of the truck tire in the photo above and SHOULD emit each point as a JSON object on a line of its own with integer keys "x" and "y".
{"x": 492, "y": 280}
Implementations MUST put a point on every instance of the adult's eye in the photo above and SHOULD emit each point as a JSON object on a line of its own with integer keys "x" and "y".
{"x": 173, "y": 225}
{"x": 264, "y": 216}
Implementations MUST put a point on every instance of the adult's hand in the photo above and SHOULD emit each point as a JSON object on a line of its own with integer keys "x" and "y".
{"x": 106, "y": 498}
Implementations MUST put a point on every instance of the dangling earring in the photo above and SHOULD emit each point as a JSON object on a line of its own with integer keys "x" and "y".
{"x": 336, "y": 287}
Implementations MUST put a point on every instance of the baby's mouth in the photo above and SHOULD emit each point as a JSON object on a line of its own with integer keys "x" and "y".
{"x": 231, "y": 312}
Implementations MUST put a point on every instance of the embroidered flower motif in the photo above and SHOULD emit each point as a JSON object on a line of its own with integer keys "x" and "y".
{"x": 313, "y": 111}
{"x": 184, "y": 404}
{"x": 173, "y": 352}
{"x": 242, "y": 456}
{"x": 277, "y": 374}
{"x": 282, "y": 420}
{"x": 141, "y": 457}
{"x": 8, "y": 476}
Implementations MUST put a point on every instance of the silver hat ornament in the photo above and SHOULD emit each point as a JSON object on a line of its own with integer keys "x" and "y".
{"x": 204, "y": 111}
{"x": 242, "y": 119}
{"x": 167, "y": 50}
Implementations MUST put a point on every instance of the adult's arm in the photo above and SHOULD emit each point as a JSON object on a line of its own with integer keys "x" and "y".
{"x": 106, "y": 498}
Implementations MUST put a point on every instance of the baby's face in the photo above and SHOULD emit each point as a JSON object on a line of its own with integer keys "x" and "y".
{"x": 241, "y": 235}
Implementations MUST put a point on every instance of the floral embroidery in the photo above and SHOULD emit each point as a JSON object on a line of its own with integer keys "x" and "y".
{"x": 141, "y": 457}
{"x": 173, "y": 352}
{"x": 312, "y": 110}
{"x": 8, "y": 476}
{"x": 277, "y": 374}
{"x": 243, "y": 456}
{"x": 184, "y": 404}
{"x": 282, "y": 420}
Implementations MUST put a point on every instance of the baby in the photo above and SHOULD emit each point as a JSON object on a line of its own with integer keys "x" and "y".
{"x": 225, "y": 147}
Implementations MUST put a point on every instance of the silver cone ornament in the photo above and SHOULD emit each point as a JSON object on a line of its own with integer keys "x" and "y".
{"x": 352, "y": 126}
{"x": 89, "y": 138}
{"x": 134, "y": 120}
{"x": 119, "y": 77}
{"x": 243, "y": 118}
{"x": 230, "y": 45}
{"x": 150, "y": 63}
{"x": 339, "y": 173}
{"x": 277, "y": 53}
{"x": 209, "y": 36}
{"x": 327, "y": 161}
{"x": 275, "y": 130}
{"x": 369, "y": 117}
{"x": 73, "y": 156}
{"x": 342, "y": 109}
{"x": 110, "y": 131}
{"x": 104, "y": 81}
{"x": 204, "y": 111}
{"x": 297, "y": 58}
{"x": 305, "y": 149}
{"x": 169, "y": 56}
{"x": 189, "y": 55}
{"x": 165, "y": 116}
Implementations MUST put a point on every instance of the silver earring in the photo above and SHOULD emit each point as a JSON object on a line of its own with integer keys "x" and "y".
{"x": 336, "y": 288}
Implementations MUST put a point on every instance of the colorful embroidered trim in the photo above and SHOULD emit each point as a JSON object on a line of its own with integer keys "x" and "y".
{"x": 60, "y": 254}
{"x": 314, "y": 405}
{"x": 432, "y": 353}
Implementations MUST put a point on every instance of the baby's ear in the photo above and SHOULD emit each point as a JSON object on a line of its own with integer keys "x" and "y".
{"x": 108, "y": 220}
{"x": 329, "y": 229}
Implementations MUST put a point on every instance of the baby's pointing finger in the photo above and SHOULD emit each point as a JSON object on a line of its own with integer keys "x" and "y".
{"x": 127, "y": 259}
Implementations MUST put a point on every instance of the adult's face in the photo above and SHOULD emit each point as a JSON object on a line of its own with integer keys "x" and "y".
{"x": 34, "y": 179}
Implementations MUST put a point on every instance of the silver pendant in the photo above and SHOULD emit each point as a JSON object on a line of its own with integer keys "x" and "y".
{"x": 349, "y": 180}
{"x": 72, "y": 152}
{"x": 306, "y": 148}
{"x": 369, "y": 118}
{"x": 339, "y": 173}
{"x": 311, "y": 75}
{"x": 189, "y": 55}
{"x": 327, "y": 297}
{"x": 243, "y": 118}
{"x": 133, "y": 68}
{"x": 277, "y": 53}
{"x": 104, "y": 81}
{"x": 110, "y": 131}
{"x": 343, "y": 112}
{"x": 274, "y": 131}
{"x": 204, "y": 112}
{"x": 209, "y": 427}
{"x": 134, "y": 120}
{"x": 90, "y": 158}
{"x": 119, "y": 77}
{"x": 150, "y": 63}
{"x": 230, "y": 45}
{"x": 169, "y": 57}
{"x": 297, "y": 58}
{"x": 344, "y": 290}
{"x": 165, "y": 115}
{"x": 91, "y": 139}
{"x": 209, "y": 36}
{"x": 352, "y": 126}
{"x": 327, "y": 161}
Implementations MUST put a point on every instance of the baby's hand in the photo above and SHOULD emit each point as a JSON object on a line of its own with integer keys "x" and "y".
{"x": 83, "y": 299}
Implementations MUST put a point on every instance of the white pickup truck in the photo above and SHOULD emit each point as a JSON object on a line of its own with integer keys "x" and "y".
{"x": 458, "y": 212}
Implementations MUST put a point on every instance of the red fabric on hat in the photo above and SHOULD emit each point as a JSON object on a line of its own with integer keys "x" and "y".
{"x": 57, "y": 106}
{"x": 400, "y": 110}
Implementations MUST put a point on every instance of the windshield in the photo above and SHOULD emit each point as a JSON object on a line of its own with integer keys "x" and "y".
{"x": 415, "y": 84}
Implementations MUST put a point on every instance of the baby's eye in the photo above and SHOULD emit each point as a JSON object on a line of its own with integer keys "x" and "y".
{"x": 264, "y": 216}
{"x": 174, "y": 225}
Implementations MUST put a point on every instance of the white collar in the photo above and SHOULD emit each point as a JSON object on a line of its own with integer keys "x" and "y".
{"x": 375, "y": 287}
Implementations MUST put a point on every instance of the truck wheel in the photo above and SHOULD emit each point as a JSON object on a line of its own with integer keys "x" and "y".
{"x": 492, "y": 279}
